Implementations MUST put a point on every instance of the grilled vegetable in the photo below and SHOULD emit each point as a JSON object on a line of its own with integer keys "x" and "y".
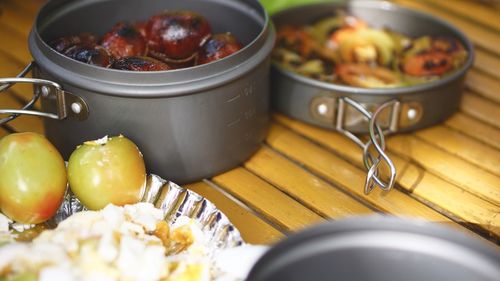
{"x": 362, "y": 75}
{"x": 366, "y": 46}
{"x": 346, "y": 50}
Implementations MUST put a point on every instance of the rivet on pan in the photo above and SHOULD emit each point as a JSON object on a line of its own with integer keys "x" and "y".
{"x": 76, "y": 107}
{"x": 45, "y": 91}
{"x": 322, "y": 109}
{"x": 412, "y": 113}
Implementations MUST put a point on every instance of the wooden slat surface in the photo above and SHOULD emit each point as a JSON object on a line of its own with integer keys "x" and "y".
{"x": 245, "y": 220}
{"x": 474, "y": 128}
{"x": 470, "y": 10}
{"x": 304, "y": 186}
{"x": 412, "y": 178}
{"x": 303, "y": 175}
{"x": 487, "y": 63}
{"x": 481, "y": 108}
{"x": 262, "y": 197}
{"x": 484, "y": 38}
{"x": 484, "y": 85}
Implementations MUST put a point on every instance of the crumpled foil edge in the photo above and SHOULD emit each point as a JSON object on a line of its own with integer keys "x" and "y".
{"x": 174, "y": 201}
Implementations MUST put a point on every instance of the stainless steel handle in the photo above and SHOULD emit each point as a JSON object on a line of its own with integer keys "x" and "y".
{"x": 376, "y": 139}
{"x": 67, "y": 104}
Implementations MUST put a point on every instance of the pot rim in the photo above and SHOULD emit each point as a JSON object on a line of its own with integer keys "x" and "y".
{"x": 155, "y": 84}
{"x": 384, "y": 5}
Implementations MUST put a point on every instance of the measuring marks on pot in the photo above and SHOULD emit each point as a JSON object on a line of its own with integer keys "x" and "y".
{"x": 246, "y": 100}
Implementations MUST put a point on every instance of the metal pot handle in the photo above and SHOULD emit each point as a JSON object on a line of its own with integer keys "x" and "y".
{"x": 376, "y": 138}
{"x": 67, "y": 104}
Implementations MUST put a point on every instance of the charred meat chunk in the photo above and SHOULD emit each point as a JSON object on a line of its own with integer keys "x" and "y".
{"x": 218, "y": 47}
{"x": 94, "y": 55}
{"x": 124, "y": 40}
{"x": 177, "y": 34}
{"x": 62, "y": 44}
{"x": 140, "y": 64}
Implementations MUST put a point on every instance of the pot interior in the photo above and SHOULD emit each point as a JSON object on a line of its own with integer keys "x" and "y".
{"x": 245, "y": 19}
{"x": 378, "y": 14}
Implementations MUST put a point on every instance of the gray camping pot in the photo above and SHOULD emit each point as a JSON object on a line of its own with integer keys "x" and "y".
{"x": 377, "y": 111}
{"x": 189, "y": 123}
{"x": 379, "y": 248}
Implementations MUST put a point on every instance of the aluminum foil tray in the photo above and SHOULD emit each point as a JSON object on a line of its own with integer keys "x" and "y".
{"x": 174, "y": 201}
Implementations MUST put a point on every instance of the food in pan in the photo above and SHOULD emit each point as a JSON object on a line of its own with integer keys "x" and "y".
{"x": 343, "y": 49}
{"x": 217, "y": 47}
{"x": 32, "y": 178}
{"x": 124, "y": 40}
{"x": 132, "y": 242}
{"x": 169, "y": 40}
{"x": 176, "y": 35}
{"x": 140, "y": 64}
{"x": 83, "y": 48}
{"x": 108, "y": 170}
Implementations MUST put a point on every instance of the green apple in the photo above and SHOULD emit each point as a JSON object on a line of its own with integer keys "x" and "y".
{"x": 108, "y": 170}
{"x": 32, "y": 178}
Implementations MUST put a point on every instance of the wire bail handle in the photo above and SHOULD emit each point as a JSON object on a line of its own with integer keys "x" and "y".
{"x": 376, "y": 139}
{"x": 67, "y": 104}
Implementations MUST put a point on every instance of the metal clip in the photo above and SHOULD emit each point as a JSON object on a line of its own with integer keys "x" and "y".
{"x": 377, "y": 139}
{"x": 67, "y": 104}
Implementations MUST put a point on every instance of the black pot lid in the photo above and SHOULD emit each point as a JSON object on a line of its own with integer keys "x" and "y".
{"x": 379, "y": 248}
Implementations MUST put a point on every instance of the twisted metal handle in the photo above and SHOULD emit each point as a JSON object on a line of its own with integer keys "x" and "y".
{"x": 377, "y": 140}
{"x": 6, "y": 86}
{"x": 67, "y": 105}
{"x": 369, "y": 161}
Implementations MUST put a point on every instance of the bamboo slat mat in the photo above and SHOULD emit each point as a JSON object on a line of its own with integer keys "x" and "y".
{"x": 449, "y": 173}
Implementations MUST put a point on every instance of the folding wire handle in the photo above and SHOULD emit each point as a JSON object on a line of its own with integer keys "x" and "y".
{"x": 376, "y": 139}
{"x": 67, "y": 104}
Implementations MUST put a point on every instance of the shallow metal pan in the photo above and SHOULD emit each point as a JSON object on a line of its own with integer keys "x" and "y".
{"x": 350, "y": 110}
